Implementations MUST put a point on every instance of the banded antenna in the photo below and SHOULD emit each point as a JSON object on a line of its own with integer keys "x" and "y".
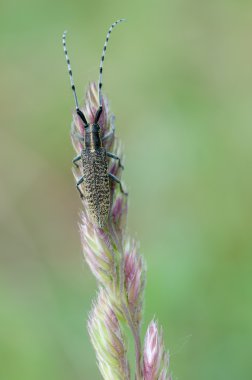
{"x": 102, "y": 59}
{"x": 78, "y": 111}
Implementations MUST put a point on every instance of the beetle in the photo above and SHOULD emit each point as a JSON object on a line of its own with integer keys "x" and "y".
{"x": 94, "y": 157}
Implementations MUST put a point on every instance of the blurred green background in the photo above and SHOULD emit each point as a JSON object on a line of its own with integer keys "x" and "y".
{"x": 179, "y": 78}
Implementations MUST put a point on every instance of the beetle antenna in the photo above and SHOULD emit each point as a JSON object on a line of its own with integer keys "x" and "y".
{"x": 103, "y": 56}
{"x": 79, "y": 112}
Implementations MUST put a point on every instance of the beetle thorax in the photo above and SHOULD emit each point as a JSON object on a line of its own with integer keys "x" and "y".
{"x": 92, "y": 140}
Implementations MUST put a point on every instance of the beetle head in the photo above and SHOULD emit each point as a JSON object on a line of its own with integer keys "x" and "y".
{"x": 89, "y": 128}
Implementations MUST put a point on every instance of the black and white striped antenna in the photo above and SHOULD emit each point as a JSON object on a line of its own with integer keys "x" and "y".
{"x": 79, "y": 112}
{"x": 103, "y": 56}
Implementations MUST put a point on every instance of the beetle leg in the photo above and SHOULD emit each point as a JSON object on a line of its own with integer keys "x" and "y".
{"x": 116, "y": 158}
{"x": 109, "y": 134}
{"x": 77, "y": 158}
{"x": 79, "y": 136}
{"x": 79, "y": 182}
{"x": 114, "y": 178}
{"x": 75, "y": 134}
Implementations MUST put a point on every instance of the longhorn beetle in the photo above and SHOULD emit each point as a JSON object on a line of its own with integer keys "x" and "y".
{"x": 93, "y": 155}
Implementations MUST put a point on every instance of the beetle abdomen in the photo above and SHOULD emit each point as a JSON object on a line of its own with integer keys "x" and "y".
{"x": 96, "y": 184}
